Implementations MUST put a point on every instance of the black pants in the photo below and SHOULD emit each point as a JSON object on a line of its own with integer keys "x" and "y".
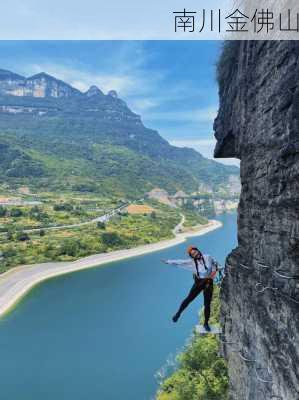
{"x": 205, "y": 285}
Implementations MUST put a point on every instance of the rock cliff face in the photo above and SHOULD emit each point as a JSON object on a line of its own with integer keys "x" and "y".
{"x": 258, "y": 122}
{"x": 44, "y": 95}
{"x": 39, "y": 85}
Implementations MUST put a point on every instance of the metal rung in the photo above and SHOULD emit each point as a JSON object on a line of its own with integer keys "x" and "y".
{"x": 226, "y": 341}
{"x": 245, "y": 266}
{"x": 261, "y": 379}
{"x": 285, "y": 276}
{"x": 263, "y": 288}
{"x": 263, "y": 265}
{"x": 245, "y": 358}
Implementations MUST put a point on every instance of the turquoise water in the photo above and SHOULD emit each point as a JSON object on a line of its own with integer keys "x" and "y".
{"x": 103, "y": 333}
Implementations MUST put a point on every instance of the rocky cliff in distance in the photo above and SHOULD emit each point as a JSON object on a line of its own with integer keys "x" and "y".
{"x": 54, "y": 136}
{"x": 258, "y": 122}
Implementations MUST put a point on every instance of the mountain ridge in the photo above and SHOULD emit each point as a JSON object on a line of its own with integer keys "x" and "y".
{"x": 21, "y": 80}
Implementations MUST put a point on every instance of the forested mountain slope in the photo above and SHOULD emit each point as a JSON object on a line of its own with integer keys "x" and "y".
{"x": 52, "y": 135}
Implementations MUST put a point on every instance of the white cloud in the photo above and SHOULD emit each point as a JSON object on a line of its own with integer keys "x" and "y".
{"x": 194, "y": 142}
{"x": 205, "y": 147}
{"x": 141, "y": 105}
{"x": 196, "y": 115}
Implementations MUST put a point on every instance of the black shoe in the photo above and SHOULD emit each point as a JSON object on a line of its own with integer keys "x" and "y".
{"x": 207, "y": 327}
{"x": 175, "y": 317}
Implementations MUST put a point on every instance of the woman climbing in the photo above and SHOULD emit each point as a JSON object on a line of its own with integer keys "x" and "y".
{"x": 204, "y": 269}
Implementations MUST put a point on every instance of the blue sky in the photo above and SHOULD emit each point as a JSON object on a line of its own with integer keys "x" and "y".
{"x": 171, "y": 84}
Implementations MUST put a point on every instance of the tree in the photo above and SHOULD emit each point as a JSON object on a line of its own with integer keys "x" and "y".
{"x": 16, "y": 212}
{"x": 153, "y": 215}
{"x": 101, "y": 225}
{"x": 37, "y": 214}
{"x": 10, "y": 233}
{"x": 69, "y": 247}
{"x": 42, "y": 233}
{"x": 22, "y": 236}
{"x": 3, "y": 211}
{"x": 34, "y": 210}
{"x": 111, "y": 239}
{"x": 9, "y": 252}
{"x": 63, "y": 207}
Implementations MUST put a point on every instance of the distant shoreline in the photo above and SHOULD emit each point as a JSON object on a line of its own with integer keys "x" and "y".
{"x": 17, "y": 282}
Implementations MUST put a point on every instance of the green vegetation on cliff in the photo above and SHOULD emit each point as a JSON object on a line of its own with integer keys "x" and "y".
{"x": 201, "y": 372}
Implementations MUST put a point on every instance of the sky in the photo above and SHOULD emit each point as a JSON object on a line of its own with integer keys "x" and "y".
{"x": 171, "y": 84}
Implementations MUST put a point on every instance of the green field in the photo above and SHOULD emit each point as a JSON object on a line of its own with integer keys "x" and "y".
{"x": 20, "y": 245}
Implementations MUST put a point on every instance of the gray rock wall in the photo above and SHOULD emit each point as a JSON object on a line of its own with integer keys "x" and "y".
{"x": 258, "y": 122}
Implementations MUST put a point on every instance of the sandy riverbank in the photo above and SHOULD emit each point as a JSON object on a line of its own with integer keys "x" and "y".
{"x": 15, "y": 283}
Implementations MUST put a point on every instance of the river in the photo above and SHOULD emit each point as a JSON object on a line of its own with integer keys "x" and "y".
{"x": 104, "y": 333}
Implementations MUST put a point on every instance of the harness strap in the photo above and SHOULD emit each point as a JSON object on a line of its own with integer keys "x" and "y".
{"x": 201, "y": 258}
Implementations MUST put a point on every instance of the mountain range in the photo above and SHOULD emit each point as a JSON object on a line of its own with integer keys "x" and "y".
{"x": 55, "y": 137}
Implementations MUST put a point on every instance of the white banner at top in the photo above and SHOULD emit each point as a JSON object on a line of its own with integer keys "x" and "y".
{"x": 150, "y": 20}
